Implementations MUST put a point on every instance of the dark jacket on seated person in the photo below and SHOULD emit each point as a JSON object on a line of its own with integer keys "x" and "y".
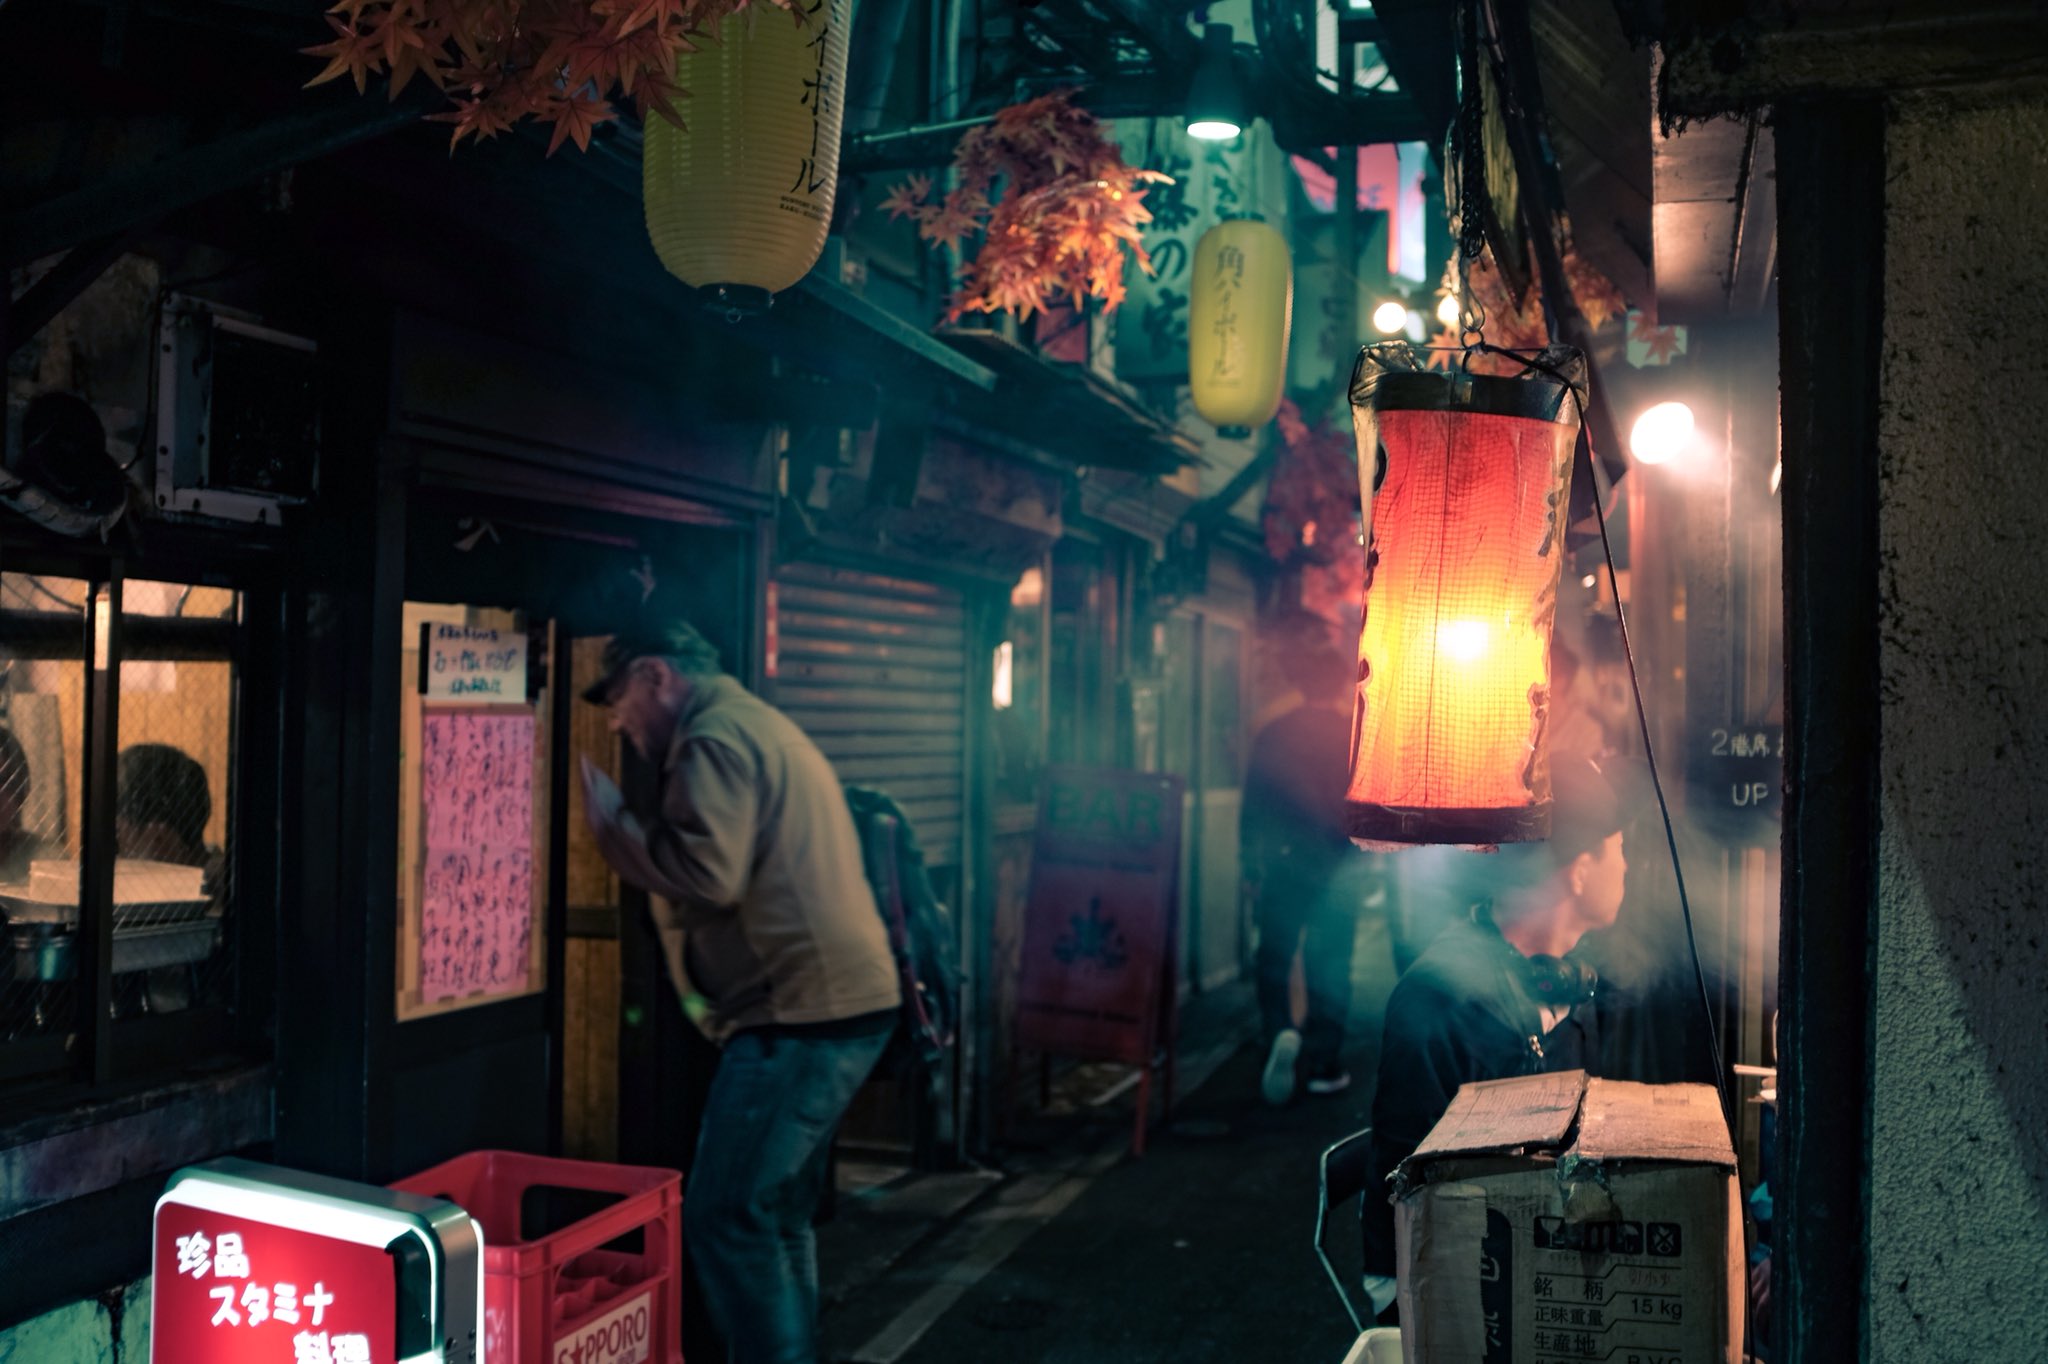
{"x": 1461, "y": 1013}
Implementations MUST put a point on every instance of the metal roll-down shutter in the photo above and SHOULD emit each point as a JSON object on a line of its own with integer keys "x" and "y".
{"x": 873, "y": 668}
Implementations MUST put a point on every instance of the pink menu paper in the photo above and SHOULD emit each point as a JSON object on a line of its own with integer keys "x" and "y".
{"x": 476, "y": 902}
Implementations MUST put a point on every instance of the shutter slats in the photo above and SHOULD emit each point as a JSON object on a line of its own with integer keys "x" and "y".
{"x": 874, "y": 669}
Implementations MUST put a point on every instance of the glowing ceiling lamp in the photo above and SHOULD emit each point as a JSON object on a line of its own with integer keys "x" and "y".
{"x": 1390, "y": 319}
{"x": 1465, "y": 480}
{"x": 1661, "y": 434}
{"x": 1217, "y": 108}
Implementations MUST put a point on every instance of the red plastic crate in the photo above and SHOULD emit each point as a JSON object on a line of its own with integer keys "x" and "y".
{"x": 564, "y": 1295}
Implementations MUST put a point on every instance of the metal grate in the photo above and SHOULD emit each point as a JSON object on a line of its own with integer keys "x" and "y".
{"x": 873, "y": 668}
{"x": 42, "y": 708}
{"x": 172, "y": 889}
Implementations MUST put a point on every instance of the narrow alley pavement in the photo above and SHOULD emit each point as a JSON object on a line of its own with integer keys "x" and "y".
{"x": 1078, "y": 1253}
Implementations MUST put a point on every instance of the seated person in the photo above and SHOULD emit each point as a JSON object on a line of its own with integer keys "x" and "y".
{"x": 1496, "y": 994}
{"x": 160, "y": 815}
{"x": 161, "y": 812}
{"x": 17, "y": 845}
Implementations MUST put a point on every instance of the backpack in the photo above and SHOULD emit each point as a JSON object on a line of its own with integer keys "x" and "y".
{"x": 919, "y": 926}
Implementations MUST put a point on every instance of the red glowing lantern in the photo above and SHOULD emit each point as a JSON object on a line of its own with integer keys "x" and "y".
{"x": 1465, "y": 481}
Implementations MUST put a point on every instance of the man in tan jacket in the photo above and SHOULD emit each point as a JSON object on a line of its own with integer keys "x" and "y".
{"x": 764, "y": 911}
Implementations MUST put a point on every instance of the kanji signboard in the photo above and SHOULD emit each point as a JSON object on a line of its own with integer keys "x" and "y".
{"x": 260, "y": 1265}
{"x": 234, "y": 1291}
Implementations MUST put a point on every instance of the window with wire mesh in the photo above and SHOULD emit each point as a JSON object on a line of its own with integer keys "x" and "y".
{"x": 172, "y": 892}
{"x": 42, "y": 712}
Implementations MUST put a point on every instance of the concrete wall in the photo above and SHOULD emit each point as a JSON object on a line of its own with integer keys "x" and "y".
{"x": 96, "y": 1331}
{"x": 1959, "y": 1139}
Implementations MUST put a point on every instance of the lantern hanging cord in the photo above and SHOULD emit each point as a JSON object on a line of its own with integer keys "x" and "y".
{"x": 1635, "y": 683}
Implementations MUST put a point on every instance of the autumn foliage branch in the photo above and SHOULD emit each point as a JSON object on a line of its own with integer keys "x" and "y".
{"x": 1518, "y": 323}
{"x": 501, "y": 61}
{"x": 1053, "y": 200}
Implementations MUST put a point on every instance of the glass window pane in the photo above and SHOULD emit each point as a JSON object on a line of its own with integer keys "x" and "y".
{"x": 42, "y": 727}
{"x": 173, "y": 891}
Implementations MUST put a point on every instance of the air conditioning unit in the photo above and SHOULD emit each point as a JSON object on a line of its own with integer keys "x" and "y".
{"x": 238, "y": 415}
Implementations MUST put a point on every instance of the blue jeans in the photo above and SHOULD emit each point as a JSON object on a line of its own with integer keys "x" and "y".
{"x": 756, "y": 1182}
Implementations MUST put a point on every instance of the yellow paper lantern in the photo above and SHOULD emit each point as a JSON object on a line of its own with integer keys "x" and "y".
{"x": 1240, "y": 307}
{"x": 738, "y": 203}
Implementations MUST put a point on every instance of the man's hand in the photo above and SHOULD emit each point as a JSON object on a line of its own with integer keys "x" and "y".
{"x": 619, "y": 836}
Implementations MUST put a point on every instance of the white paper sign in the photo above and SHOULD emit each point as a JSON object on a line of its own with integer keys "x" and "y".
{"x": 467, "y": 663}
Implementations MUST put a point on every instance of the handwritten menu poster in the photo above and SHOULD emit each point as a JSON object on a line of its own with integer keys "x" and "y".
{"x": 476, "y": 900}
{"x": 472, "y": 663}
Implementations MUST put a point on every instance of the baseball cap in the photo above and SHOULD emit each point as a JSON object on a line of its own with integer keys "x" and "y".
{"x": 677, "y": 641}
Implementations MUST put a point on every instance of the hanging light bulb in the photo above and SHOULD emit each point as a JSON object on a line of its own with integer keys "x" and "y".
{"x": 1217, "y": 109}
{"x": 1447, "y": 311}
{"x": 1390, "y": 318}
{"x": 1663, "y": 433}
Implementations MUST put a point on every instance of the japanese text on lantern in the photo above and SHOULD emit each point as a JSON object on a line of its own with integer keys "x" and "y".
{"x": 1229, "y": 359}
{"x": 476, "y": 901}
{"x": 817, "y": 98}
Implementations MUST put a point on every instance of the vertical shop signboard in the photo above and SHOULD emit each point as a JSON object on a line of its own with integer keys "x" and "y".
{"x": 254, "y": 1264}
{"x": 1100, "y": 928}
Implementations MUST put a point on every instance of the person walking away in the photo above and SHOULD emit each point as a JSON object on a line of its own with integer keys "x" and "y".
{"x": 1497, "y": 993}
{"x": 764, "y": 911}
{"x": 1306, "y": 879}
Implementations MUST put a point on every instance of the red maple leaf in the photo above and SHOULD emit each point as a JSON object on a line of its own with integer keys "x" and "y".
{"x": 501, "y": 61}
{"x": 907, "y": 200}
{"x": 1069, "y": 216}
{"x": 353, "y": 53}
{"x": 577, "y": 118}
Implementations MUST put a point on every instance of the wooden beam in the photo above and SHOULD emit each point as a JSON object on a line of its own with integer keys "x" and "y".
{"x": 63, "y": 283}
{"x": 165, "y": 185}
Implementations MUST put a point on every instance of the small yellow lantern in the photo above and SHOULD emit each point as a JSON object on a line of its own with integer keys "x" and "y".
{"x": 738, "y": 203}
{"x": 1240, "y": 308}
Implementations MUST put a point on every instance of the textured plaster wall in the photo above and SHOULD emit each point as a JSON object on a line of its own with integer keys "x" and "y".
{"x": 1959, "y": 1159}
{"x": 114, "y": 1330}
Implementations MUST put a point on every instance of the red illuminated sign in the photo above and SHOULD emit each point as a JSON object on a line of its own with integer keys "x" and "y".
{"x": 232, "y": 1290}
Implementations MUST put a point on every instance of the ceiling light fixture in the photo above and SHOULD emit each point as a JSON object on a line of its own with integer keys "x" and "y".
{"x": 1217, "y": 110}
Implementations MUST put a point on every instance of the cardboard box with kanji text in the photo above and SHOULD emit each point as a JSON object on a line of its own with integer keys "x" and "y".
{"x": 1557, "y": 1219}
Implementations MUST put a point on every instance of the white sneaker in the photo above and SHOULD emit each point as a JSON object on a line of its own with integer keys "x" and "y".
{"x": 1277, "y": 1083}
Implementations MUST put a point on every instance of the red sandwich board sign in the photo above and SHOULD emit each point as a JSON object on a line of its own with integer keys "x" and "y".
{"x": 1101, "y": 924}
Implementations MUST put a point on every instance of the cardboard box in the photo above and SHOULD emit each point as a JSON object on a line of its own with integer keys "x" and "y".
{"x": 1555, "y": 1219}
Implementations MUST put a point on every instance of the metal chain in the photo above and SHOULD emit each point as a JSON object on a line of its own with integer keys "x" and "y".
{"x": 1467, "y": 138}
